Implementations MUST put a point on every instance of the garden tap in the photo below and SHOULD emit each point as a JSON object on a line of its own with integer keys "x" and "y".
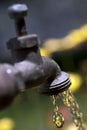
{"x": 29, "y": 68}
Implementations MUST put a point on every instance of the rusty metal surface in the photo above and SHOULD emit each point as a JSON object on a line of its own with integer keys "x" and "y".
{"x": 29, "y": 68}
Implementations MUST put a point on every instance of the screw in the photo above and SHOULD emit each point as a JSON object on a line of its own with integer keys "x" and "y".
{"x": 18, "y": 12}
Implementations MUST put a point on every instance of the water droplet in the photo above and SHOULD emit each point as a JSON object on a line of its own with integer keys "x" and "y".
{"x": 58, "y": 120}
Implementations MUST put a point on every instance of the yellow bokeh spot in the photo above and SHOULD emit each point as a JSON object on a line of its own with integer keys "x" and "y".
{"x": 44, "y": 52}
{"x": 76, "y": 81}
{"x": 6, "y": 124}
{"x": 73, "y": 39}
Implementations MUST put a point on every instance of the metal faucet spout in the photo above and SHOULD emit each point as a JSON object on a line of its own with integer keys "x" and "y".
{"x": 30, "y": 69}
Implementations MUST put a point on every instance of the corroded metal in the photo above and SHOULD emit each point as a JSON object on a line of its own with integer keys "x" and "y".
{"x": 29, "y": 68}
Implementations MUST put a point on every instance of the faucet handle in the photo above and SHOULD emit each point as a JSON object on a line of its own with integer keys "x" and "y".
{"x": 18, "y": 12}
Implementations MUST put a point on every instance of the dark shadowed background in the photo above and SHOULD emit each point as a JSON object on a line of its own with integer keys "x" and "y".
{"x": 47, "y": 18}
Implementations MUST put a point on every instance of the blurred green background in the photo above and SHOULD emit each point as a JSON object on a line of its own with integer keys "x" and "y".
{"x": 32, "y": 111}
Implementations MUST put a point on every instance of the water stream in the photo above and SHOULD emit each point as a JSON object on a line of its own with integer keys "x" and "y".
{"x": 71, "y": 103}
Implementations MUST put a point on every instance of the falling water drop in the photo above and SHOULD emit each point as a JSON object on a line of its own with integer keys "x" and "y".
{"x": 58, "y": 118}
{"x": 71, "y": 103}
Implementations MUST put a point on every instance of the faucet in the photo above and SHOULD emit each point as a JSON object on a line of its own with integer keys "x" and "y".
{"x": 29, "y": 68}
